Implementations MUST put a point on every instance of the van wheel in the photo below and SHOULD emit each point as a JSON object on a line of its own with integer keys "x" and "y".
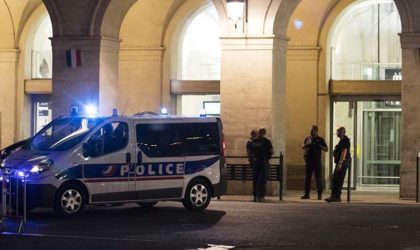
{"x": 147, "y": 204}
{"x": 197, "y": 196}
{"x": 70, "y": 200}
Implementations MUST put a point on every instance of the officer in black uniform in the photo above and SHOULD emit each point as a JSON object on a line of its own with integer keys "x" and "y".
{"x": 254, "y": 135}
{"x": 342, "y": 159}
{"x": 262, "y": 150}
{"x": 313, "y": 145}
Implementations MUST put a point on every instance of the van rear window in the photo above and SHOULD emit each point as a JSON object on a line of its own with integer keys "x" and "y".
{"x": 178, "y": 139}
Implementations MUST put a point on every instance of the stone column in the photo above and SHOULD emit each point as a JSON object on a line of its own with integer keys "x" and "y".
{"x": 410, "y": 128}
{"x": 252, "y": 91}
{"x": 252, "y": 95}
{"x": 8, "y": 63}
{"x": 302, "y": 91}
{"x": 95, "y": 81}
{"x": 139, "y": 68}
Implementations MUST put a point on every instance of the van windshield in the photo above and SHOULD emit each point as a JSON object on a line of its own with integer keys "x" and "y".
{"x": 63, "y": 133}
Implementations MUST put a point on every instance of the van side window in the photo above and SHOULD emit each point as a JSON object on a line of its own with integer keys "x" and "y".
{"x": 110, "y": 138}
{"x": 159, "y": 140}
{"x": 178, "y": 139}
{"x": 201, "y": 139}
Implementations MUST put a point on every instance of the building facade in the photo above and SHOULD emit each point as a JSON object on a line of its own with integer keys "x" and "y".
{"x": 283, "y": 64}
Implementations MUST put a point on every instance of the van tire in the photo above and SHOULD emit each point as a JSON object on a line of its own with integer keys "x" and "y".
{"x": 147, "y": 204}
{"x": 197, "y": 196}
{"x": 70, "y": 200}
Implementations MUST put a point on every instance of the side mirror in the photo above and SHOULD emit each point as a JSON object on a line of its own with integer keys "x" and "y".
{"x": 85, "y": 150}
{"x": 3, "y": 154}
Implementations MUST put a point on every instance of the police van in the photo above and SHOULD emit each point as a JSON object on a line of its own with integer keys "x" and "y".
{"x": 78, "y": 160}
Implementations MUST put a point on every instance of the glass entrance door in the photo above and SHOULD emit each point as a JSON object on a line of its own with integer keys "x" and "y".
{"x": 381, "y": 155}
{"x": 374, "y": 129}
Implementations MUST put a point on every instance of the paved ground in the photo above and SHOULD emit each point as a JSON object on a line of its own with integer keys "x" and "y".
{"x": 240, "y": 223}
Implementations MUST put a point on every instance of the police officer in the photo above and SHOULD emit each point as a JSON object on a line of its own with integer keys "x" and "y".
{"x": 313, "y": 145}
{"x": 254, "y": 135}
{"x": 262, "y": 150}
{"x": 342, "y": 159}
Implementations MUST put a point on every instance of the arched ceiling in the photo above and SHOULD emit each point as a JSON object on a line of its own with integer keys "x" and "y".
{"x": 88, "y": 17}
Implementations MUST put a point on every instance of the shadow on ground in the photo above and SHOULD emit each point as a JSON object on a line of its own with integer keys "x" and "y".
{"x": 121, "y": 222}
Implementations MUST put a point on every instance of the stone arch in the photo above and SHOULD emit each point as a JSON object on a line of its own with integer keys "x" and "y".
{"x": 113, "y": 17}
{"x": 26, "y": 36}
{"x": 54, "y": 13}
{"x": 405, "y": 14}
{"x": 95, "y": 18}
{"x": 278, "y": 16}
{"x": 172, "y": 31}
{"x": 32, "y": 20}
{"x": 223, "y": 16}
{"x": 7, "y": 26}
{"x": 176, "y": 27}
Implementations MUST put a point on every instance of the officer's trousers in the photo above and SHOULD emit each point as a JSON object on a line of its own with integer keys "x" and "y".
{"x": 260, "y": 177}
{"x": 311, "y": 167}
{"x": 338, "y": 179}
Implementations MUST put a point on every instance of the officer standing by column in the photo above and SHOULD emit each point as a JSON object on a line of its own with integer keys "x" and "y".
{"x": 313, "y": 145}
{"x": 342, "y": 159}
{"x": 262, "y": 150}
{"x": 251, "y": 159}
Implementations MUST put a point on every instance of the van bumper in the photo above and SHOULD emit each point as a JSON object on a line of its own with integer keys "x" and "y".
{"x": 41, "y": 195}
{"x": 37, "y": 195}
{"x": 219, "y": 189}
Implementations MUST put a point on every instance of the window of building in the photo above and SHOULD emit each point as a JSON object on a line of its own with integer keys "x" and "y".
{"x": 365, "y": 44}
{"x": 200, "y": 46}
{"x": 194, "y": 105}
{"x": 42, "y": 50}
{"x": 199, "y": 58}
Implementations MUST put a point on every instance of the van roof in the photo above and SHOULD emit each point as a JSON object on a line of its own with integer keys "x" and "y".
{"x": 153, "y": 117}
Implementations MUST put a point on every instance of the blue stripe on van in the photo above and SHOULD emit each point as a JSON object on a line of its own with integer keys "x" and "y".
{"x": 70, "y": 173}
{"x": 197, "y": 166}
{"x": 114, "y": 170}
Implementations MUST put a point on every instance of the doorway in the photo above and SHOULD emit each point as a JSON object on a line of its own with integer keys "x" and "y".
{"x": 374, "y": 129}
{"x": 41, "y": 112}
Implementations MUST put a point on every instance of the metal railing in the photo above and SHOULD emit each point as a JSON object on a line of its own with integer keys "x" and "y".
{"x": 239, "y": 169}
{"x": 13, "y": 198}
{"x": 417, "y": 176}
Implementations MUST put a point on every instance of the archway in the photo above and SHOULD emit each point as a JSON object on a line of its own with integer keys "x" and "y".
{"x": 365, "y": 55}
{"x": 199, "y": 60}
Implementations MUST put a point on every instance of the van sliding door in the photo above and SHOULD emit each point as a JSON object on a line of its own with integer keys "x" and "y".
{"x": 159, "y": 161}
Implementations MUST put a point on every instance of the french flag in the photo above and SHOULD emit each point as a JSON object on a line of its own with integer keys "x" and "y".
{"x": 74, "y": 58}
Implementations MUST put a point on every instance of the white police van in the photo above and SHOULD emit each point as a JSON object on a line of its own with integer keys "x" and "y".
{"x": 80, "y": 160}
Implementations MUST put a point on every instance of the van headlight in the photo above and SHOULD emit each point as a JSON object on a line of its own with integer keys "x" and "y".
{"x": 42, "y": 166}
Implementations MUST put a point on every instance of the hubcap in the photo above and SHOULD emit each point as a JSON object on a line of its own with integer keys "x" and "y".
{"x": 71, "y": 201}
{"x": 198, "y": 195}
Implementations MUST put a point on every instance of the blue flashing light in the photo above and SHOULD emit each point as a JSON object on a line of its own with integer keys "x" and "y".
{"x": 203, "y": 113}
{"x": 91, "y": 110}
{"x": 21, "y": 174}
{"x": 164, "y": 111}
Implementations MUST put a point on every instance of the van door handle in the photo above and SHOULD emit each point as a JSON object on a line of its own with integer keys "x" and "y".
{"x": 139, "y": 158}
{"x": 128, "y": 158}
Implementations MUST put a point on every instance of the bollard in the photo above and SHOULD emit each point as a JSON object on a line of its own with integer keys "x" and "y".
{"x": 3, "y": 202}
{"x": 417, "y": 177}
{"x": 349, "y": 183}
{"x": 281, "y": 176}
{"x": 13, "y": 186}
